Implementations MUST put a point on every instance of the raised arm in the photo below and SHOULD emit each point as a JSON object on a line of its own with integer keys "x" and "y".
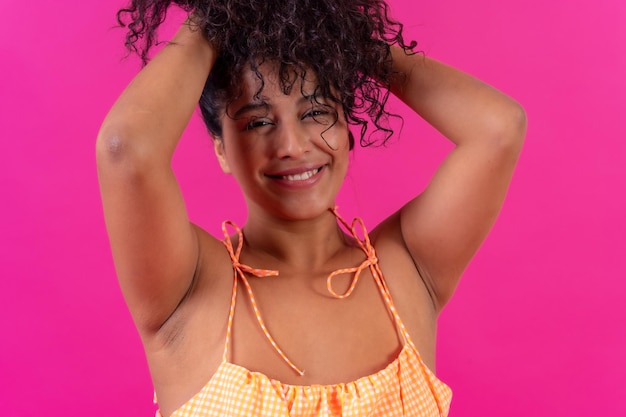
{"x": 445, "y": 225}
{"x": 155, "y": 248}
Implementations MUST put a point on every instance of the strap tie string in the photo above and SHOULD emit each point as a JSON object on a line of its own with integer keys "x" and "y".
{"x": 241, "y": 270}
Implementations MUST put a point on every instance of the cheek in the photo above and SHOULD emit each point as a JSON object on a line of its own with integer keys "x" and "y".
{"x": 245, "y": 158}
{"x": 338, "y": 145}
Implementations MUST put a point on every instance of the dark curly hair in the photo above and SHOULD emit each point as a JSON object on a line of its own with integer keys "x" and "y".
{"x": 346, "y": 43}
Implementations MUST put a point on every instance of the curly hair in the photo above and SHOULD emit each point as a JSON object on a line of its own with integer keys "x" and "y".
{"x": 346, "y": 43}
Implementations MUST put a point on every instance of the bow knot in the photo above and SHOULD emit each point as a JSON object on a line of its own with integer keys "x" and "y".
{"x": 236, "y": 253}
{"x": 367, "y": 263}
{"x": 254, "y": 271}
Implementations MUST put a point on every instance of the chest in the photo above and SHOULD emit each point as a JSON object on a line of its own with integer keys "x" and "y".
{"x": 290, "y": 323}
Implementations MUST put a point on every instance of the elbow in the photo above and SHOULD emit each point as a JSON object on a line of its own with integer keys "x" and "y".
{"x": 114, "y": 156}
{"x": 508, "y": 128}
{"x": 113, "y": 143}
{"x": 119, "y": 149}
{"x": 119, "y": 156}
{"x": 517, "y": 125}
{"x": 110, "y": 147}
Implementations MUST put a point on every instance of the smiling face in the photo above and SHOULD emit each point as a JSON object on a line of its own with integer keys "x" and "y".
{"x": 289, "y": 152}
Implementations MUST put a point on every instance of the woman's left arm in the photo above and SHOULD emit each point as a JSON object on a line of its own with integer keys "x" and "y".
{"x": 445, "y": 225}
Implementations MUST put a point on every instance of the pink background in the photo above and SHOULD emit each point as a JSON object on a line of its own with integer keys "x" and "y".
{"x": 537, "y": 325}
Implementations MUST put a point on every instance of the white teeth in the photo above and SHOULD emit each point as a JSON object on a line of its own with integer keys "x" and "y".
{"x": 301, "y": 177}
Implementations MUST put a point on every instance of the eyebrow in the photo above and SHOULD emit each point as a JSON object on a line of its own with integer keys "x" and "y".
{"x": 250, "y": 107}
{"x": 256, "y": 105}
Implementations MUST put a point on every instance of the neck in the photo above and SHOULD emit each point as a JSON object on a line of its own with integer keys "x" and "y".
{"x": 299, "y": 243}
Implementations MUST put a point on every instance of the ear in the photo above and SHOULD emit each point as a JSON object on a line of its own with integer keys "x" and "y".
{"x": 218, "y": 145}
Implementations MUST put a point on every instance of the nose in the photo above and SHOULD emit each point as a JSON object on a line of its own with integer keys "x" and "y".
{"x": 292, "y": 141}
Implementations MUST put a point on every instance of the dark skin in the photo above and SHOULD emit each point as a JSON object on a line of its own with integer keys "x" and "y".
{"x": 177, "y": 278}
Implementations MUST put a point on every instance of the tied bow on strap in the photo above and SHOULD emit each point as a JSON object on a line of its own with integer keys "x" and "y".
{"x": 235, "y": 254}
{"x": 365, "y": 244}
{"x": 369, "y": 262}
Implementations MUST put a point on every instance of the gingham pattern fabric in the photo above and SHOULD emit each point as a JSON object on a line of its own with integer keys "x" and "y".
{"x": 406, "y": 387}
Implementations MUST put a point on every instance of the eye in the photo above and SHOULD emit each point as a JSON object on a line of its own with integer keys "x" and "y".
{"x": 257, "y": 123}
{"x": 315, "y": 113}
{"x": 320, "y": 115}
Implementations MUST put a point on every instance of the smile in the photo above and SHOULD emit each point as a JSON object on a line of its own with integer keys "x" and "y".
{"x": 296, "y": 176}
{"x": 302, "y": 176}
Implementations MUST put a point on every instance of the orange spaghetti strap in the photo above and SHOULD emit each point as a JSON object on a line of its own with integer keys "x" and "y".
{"x": 231, "y": 314}
{"x": 240, "y": 270}
{"x": 372, "y": 262}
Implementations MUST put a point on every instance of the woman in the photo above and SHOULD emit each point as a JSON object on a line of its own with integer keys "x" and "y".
{"x": 315, "y": 321}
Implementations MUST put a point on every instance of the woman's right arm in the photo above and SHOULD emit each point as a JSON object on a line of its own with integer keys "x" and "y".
{"x": 155, "y": 247}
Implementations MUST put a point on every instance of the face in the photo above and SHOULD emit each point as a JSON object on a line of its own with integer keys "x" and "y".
{"x": 289, "y": 152}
